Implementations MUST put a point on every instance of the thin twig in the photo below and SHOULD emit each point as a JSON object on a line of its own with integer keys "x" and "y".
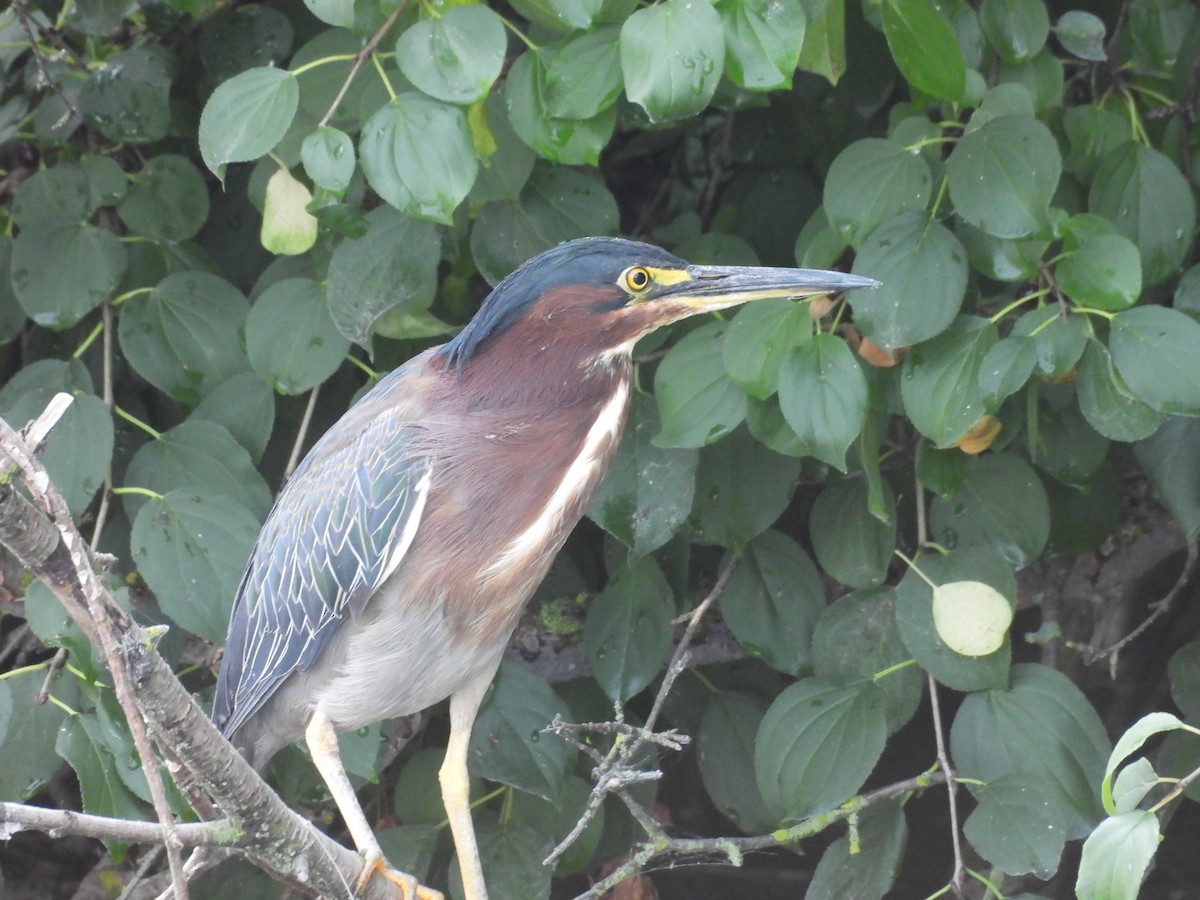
{"x": 960, "y": 868}
{"x": 1158, "y": 609}
{"x": 57, "y": 823}
{"x": 106, "y": 317}
{"x": 359, "y": 58}
{"x": 22, "y": 14}
{"x": 301, "y": 434}
{"x": 52, "y": 668}
{"x": 148, "y": 862}
{"x": 718, "y": 166}
{"x": 663, "y": 848}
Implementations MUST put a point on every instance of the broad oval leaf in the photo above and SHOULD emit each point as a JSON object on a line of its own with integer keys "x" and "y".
{"x": 672, "y": 56}
{"x": 698, "y": 401}
{"x": 1082, "y": 34}
{"x": 923, "y": 270}
{"x": 1016, "y": 28}
{"x": 244, "y": 405}
{"x": 247, "y": 116}
{"x": 559, "y": 140}
{"x": 1002, "y": 506}
{"x": 1015, "y": 828}
{"x": 725, "y": 755}
{"x": 191, "y": 549}
{"x": 940, "y": 384}
{"x": 455, "y": 57}
{"x": 290, "y": 337}
{"x": 647, "y": 493}
{"x": 1154, "y": 350}
{"x": 185, "y": 336}
{"x": 392, "y": 268}
{"x": 1041, "y": 725}
{"x": 1003, "y": 174}
{"x": 507, "y": 743}
{"x": 1142, "y": 192}
{"x": 846, "y": 871}
{"x": 971, "y": 617}
{"x": 852, "y": 545}
{"x": 628, "y": 629}
{"x": 60, "y": 273}
{"x": 583, "y": 77}
{"x": 1130, "y": 742}
{"x": 772, "y": 602}
{"x": 856, "y": 638}
{"x": 914, "y": 615}
{"x": 758, "y": 339}
{"x": 823, "y": 395}
{"x": 288, "y": 228}
{"x": 872, "y": 181}
{"x": 1168, "y": 456}
{"x": 417, "y": 154}
{"x": 127, "y": 98}
{"x": 1116, "y": 856}
{"x": 1105, "y": 273}
{"x": 924, "y": 46}
{"x": 167, "y": 200}
{"x": 817, "y": 744}
{"x": 328, "y": 157}
{"x": 762, "y": 40}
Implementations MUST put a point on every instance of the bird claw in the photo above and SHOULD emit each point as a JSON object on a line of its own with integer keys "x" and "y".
{"x": 410, "y": 888}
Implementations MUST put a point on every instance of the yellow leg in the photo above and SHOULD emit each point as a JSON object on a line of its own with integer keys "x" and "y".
{"x": 322, "y": 744}
{"x": 456, "y": 790}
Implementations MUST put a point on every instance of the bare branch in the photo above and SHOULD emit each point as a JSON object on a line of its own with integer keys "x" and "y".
{"x": 960, "y": 869}
{"x": 15, "y": 817}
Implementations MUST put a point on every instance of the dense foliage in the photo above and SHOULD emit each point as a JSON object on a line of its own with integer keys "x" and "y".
{"x": 217, "y": 217}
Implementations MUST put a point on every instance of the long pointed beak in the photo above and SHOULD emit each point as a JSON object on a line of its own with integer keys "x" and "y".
{"x": 707, "y": 288}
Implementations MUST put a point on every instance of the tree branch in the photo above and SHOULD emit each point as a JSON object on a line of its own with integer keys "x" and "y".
{"x": 15, "y": 817}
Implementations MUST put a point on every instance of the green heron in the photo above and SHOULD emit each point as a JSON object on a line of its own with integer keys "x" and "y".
{"x": 393, "y": 567}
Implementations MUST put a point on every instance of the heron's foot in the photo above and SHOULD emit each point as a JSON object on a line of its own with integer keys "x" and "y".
{"x": 411, "y": 889}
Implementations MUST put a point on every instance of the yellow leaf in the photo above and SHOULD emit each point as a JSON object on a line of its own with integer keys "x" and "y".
{"x": 288, "y": 228}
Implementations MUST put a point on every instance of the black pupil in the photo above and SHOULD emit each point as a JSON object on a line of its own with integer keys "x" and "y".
{"x": 639, "y": 279}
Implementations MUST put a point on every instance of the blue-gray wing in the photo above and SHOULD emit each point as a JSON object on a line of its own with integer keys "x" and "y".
{"x": 339, "y": 528}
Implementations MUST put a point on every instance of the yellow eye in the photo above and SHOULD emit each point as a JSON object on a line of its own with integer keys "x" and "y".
{"x": 637, "y": 279}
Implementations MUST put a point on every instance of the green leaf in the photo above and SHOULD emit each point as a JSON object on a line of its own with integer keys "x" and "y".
{"x": 1082, "y": 34}
{"x": 291, "y": 339}
{"x": 924, "y": 46}
{"x": 1093, "y": 133}
{"x": 511, "y": 856}
{"x": 1065, "y": 446}
{"x": 1105, "y": 273}
{"x": 628, "y": 629}
{"x": 1042, "y": 725}
{"x": 867, "y": 868}
{"x": 559, "y": 140}
{"x": 731, "y": 507}
{"x": 856, "y": 638}
{"x": 1143, "y": 193}
{"x": 393, "y": 268}
{"x": 758, "y": 339}
{"x": 245, "y": 406}
{"x": 410, "y": 848}
{"x": 698, "y": 401}
{"x": 191, "y": 549}
{"x": 1016, "y": 28}
{"x": 328, "y": 157}
{"x": 823, "y": 395}
{"x": 54, "y": 196}
{"x": 247, "y": 116}
{"x": 417, "y": 154}
{"x": 198, "y": 456}
{"x": 1129, "y": 743}
{"x": 168, "y": 200}
{"x": 871, "y": 182}
{"x": 1002, "y": 175}
{"x": 239, "y": 38}
{"x": 338, "y": 13}
{"x": 1154, "y": 349}
{"x": 556, "y": 205}
{"x": 999, "y": 258}
{"x": 1183, "y": 670}
{"x": 1015, "y": 829}
{"x": 507, "y": 744}
{"x": 554, "y": 823}
{"x": 455, "y": 57}
{"x": 672, "y": 56}
{"x": 852, "y": 545}
{"x": 1006, "y": 368}
{"x": 940, "y": 384}
{"x": 127, "y": 99}
{"x": 1168, "y": 458}
{"x": 79, "y": 450}
{"x": 1059, "y": 340}
{"x": 583, "y": 77}
{"x": 1133, "y": 784}
{"x": 1116, "y": 856}
{"x": 772, "y": 602}
{"x": 824, "y": 49}
{"x": 914, "y": 615}
{"x": 288, "y": 228}
{"x": 60, "y": 273}
{"x": 81, "y": 743}
{"x": 1002, "y": 506}
{"x": 6, "y": 710}
{"x": 817, "y": 744}
{"x": 923, "y": 270}
{"x": 185, "y": 336}
{"x": 30, "y": 760}
{"x": 762, "y": 41}
{"x": 647, "y": 493}
{"x": 725, "y": 754}
{"x": 506, "y": 171}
